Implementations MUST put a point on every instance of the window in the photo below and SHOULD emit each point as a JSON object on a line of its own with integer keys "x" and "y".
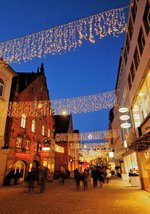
{"x": 136, "y": 58}
{"x": 49, "y": 132}
{"x": 35, "y": 102}
{"x": 43, "y": 130}
{"x": 33, "y": 126}
{"x": 129, "y": 81}
{"x": 132, "y": 69}
{"x": 125, "y": 56}
{"x": 127, "y": 43}
{"x": 23, "y": 120}
{"x": 141, "y": 107}
{"x": 27, "y": 145}
{"x": 130, "y": 29}
{"x": 1, "y": 87}
{"x": 19, "y": 142}
{"x": 133, "y": 10}
{"x": 141, "y": 41}
{"x": 146, "y": 18}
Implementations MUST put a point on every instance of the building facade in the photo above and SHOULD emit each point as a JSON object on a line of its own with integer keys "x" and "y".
{"x": 131, "y": 115}
{"x": 6, "y": 75}
{"x": 67, "y": 143}
{"x": 30, "y": 125}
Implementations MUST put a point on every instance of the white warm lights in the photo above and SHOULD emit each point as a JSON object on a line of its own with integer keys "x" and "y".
{"x": 123, "y": 110}
{"x": 74, "y": 105}
{"x": 64, "y": 38}
{"x": 125, "y": 125}
{"x": 124, "y": 117}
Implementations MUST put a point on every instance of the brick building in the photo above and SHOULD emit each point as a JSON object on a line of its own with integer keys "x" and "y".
{"x": 30, "y": 125}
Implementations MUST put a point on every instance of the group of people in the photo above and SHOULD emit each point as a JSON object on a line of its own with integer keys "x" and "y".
{"x": 37, "y": 176}
{"x": 13, "y": 176}
{"x": 98, "y": 174}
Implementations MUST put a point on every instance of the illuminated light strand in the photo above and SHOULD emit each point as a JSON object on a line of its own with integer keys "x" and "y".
{"x": 85, "y": 136}
{"x": 93, "y": 146}
{"x": 75, "y": 105}
{"x": 64, "y": 38}
{"x": 84, "y": 104}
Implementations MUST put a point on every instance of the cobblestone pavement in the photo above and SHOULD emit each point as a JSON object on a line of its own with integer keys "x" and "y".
{"x": 116, "y": 197}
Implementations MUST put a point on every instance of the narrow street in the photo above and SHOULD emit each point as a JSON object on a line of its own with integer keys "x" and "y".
{"x": 116, "y": 197}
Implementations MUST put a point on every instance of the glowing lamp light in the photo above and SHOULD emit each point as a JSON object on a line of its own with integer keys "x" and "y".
{"x": 64, "y": 113}
{"x": 111, "y": 154}
{"x": 125, "y": 125}
{"x": 124, "y": 117}
{"x": 123, "y": 110}
{"x": 45, "y": 148}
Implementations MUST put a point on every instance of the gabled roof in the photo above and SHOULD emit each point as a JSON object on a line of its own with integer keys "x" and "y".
{"x": 62, "y": 123}
{"x": 23, "y": 79}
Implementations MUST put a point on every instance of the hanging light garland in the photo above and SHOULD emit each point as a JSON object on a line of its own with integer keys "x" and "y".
{"x": 64, "y": 38}
{"x": 84, "y": 104}
{"x": 75, "y": 105}
{"x": 94, "y": 146}
{"x": 85, "y": 136}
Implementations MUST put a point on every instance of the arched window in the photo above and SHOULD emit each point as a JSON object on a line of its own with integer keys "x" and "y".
{"x": 43, "y": 130}
{"x": 33, "y": 126}
{"x": 1, "y": 87}
{"x": 23, "y": 120}
{"x": 48, "y": 133}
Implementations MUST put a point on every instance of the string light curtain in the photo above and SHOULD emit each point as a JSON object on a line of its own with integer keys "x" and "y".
{"x": 64, "y": 38}
{"x": 75, "y": 105}
{"x": 85, "y": 104}
{"x": 84, "y": 136}
{"x": 94, "y": 146}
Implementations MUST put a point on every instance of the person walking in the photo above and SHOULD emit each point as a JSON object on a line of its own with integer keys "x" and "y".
{"x": 95, "y": 177}
{"x": 62, "y": 175}
{"x": 77, "y": 177}
{"x": 31, "y": 180}
{"x": 42, "y": 179}
{"x": 85, "y": 179}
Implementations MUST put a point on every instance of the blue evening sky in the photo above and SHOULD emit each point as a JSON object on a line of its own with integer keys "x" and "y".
{"x": 88, "y": 70}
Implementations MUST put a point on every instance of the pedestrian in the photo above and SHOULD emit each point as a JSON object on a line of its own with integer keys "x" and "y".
{"x": 16, "y": 176}
{"x": 108, "y": 175}
{"x": 42, "y": 179}
{"x": 101, "y": 175}
{"x": 31, "y": 180}
{"x": 62, "y": 175}
{"x": 95, "y": 177}
{"x": 85, "y": 179}
{"x": 77, "y": 177}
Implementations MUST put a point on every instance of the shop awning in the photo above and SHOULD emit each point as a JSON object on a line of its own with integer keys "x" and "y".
{"x": 141, "y": 144}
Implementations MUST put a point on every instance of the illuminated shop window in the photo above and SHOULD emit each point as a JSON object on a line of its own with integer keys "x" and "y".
{"x": 23, "y": 120}
{"x": 19, "y": 142}
{"x": 1, "y": 87}
{"x": 141, "y": 108}
{"x": 33, "y": 126}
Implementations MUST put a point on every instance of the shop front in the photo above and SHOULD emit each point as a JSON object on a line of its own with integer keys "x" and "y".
{"x": 131, "y": 169}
